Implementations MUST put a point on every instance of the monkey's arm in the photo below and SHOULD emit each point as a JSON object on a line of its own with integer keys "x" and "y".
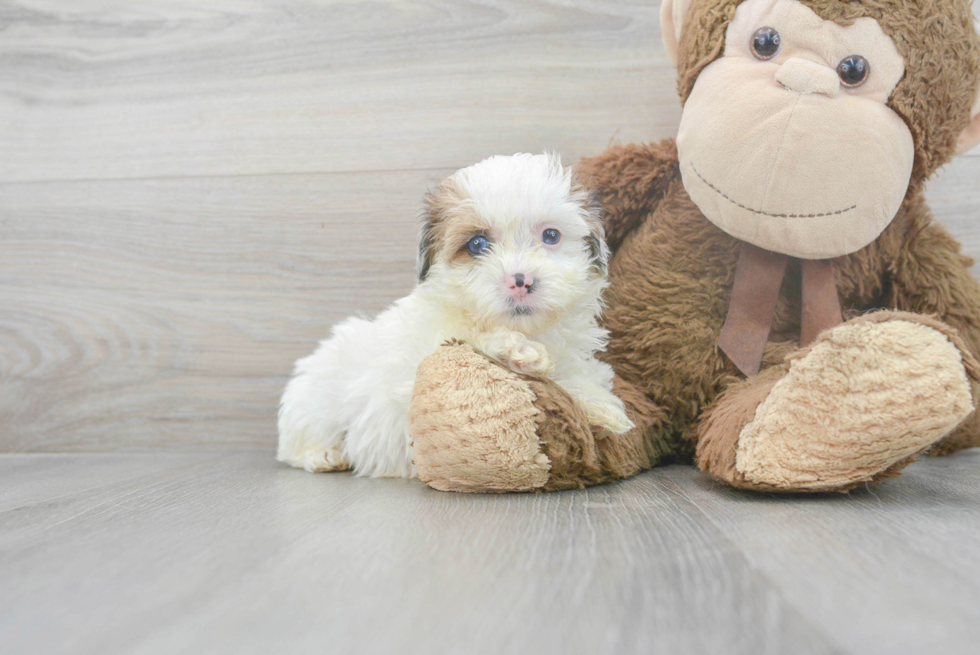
{"x": 629, "y": 182}
{"x": 931, "y": 276}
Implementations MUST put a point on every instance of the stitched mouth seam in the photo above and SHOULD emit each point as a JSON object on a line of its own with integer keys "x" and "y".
{"x": 762, "y": 213}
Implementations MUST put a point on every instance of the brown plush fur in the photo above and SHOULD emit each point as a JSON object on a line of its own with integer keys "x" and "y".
{"x": 722, "y": 423}
{"x": 578, "y": 458}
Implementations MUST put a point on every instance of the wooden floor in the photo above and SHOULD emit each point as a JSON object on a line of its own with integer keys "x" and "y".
{"x": 234, "y": 553}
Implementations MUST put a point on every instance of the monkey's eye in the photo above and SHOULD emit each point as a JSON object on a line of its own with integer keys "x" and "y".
{"x": 853, "y": 71}
{"x": 478, "y": 245}
{"x": 765, "y": 43}
{"x": 551, "y": 236}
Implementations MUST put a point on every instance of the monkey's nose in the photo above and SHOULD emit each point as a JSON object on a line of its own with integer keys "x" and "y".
{"x": 805, "y": 76}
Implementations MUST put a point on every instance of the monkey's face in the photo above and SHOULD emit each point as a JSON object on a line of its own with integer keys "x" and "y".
{"x": 786, "y": 140}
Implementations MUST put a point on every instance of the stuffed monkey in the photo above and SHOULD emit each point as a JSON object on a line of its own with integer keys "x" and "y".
{"x": 782, "y": 306}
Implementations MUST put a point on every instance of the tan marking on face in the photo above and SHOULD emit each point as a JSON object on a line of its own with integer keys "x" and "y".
{"x": 441, "y": 207}
{"x": 452, "y": 222}
{"x": 457, "y": 232}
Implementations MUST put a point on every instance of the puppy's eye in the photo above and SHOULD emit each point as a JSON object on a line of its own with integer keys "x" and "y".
{"x": 853, "y": 71}
{"x": 478, "y": 245}
{"x": 765, "y": 43}
{"x": 551, "y": 236}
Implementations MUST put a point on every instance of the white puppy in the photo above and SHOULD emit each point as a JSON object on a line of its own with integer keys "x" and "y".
{"x": 511, "y": 260}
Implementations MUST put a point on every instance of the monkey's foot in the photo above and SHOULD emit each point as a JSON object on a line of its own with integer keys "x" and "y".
{"x": 857, "y": 406}
{"x": 479, "y": 427}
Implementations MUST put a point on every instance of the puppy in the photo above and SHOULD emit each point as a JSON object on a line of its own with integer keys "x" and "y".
{"x": 512, "y": 261}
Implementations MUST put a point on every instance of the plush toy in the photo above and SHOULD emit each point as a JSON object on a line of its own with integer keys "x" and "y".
{"x": 782, "y": 306}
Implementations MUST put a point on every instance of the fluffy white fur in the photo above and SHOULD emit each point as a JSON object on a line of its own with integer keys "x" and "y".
{"x": 347, "y": 404}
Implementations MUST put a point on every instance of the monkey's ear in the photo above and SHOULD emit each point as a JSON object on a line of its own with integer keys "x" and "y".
{"x": 970, "y": 137}
{"x": 672, "y": 14}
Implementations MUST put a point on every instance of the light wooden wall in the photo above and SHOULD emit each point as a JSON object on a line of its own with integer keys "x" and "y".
{"x": 192, "y": 192}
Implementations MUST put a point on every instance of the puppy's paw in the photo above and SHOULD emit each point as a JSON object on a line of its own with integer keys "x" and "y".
{"x": 321, "y": 461}
{"x": 516, "y": 351}
{"x": 529, "y": 358}
{"x": 608, "y": 414}
{"x": 304, "y": 448}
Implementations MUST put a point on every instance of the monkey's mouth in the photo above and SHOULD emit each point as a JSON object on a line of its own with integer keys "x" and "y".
{"x": 759, "y": 211}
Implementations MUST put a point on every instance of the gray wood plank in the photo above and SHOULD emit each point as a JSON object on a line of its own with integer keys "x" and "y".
{"x": 238, "y": 554}
{"x": 243, "y": 555}
{"x": 891, "y": 569}
{"x": 26, "y": 479}
{"x": 108, "y": 89}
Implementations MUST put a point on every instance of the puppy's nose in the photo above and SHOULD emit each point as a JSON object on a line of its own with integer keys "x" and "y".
{"x": 519, "y": 280}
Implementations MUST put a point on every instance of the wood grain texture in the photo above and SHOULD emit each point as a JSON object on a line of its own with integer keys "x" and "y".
{"x": 192, "y": 193}
{"x": 234, "y": 553}
{"x": 28, "y": 479}
{"x": 168, "y": 313}
{"x": 889, "y": 570}
{"x": 116, "y": 89}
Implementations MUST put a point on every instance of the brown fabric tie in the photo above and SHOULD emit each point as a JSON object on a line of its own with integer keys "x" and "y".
{"x": 758, "y": 278}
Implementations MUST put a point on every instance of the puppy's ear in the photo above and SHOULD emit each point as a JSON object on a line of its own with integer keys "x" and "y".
{"x": 437, "y": 207}
{"x": 596, "y": 241}
{"x": 423, "y": 261}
